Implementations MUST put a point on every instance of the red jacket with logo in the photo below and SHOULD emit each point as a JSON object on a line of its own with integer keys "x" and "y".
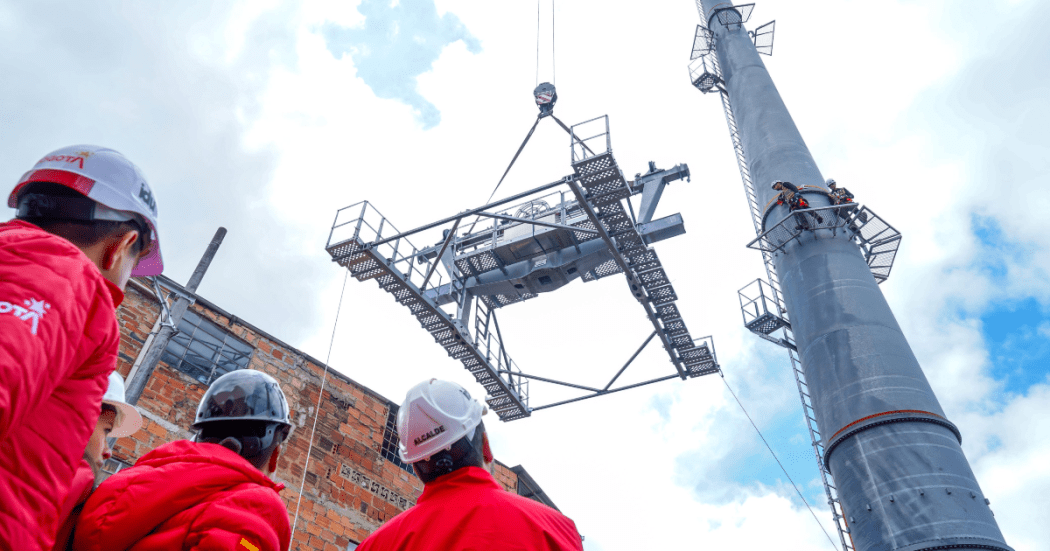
{"x": 467, "y": 510}
{"x": 185, "y": 495}
{"x": 58, "y": 345}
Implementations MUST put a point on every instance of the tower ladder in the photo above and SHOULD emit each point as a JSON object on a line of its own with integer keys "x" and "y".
{"x": 796, "y": 365}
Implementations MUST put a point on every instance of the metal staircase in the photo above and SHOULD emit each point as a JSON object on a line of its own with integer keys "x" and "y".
{"x": 394, "y": 267}
{"x": 599, "y": 189}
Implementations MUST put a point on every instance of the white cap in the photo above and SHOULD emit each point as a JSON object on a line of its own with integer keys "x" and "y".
{"x": 434, "y": 416}
{"x": 128, "y": 420}
{"x": 106, "y": 177}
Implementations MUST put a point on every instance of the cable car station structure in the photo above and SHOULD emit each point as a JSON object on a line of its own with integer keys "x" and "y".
{"x": 891, "y": 462}
{"x": 514, "y": 249}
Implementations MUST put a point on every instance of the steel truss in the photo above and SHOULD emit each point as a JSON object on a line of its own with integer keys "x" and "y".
{"x": 587, "y": 213}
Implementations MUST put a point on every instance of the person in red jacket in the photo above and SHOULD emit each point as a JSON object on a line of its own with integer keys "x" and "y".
{"x": 86, "y": 222}
{"x": 462, "y": 506}
{"x": 210, "y": 494}
{"x": 118, "y": 418}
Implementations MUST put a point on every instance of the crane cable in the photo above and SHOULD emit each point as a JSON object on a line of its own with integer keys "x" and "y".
{"x": 768, "y": 447}
{"x": 317, "y": 411}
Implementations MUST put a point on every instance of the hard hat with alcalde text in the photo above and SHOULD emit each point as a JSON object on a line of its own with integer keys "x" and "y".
{"x": 434, "y": 415}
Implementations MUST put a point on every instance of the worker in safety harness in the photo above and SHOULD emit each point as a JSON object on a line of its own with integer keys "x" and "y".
{"x": 209, "y": 494}
{"x": 790, "y": 196}
{"x": 842, "y": 196}
{"x": 86, "y": 222}
{"x": 462, "y": 505}
{"x": 839, "y": 196}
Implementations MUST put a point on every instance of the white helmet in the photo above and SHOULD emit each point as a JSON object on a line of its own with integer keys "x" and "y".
{"x": 434, "y": 416}
{"x": 128, "y": 420}
{"x": 107, "y": 178}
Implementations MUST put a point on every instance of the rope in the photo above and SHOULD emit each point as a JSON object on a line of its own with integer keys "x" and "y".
{"x": 317, "y": 411}
{"x": 768, "y": 447}
{"x": 537, "y": 43}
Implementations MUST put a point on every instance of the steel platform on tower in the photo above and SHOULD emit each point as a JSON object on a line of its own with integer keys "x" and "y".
{"x": 520, "y": 247}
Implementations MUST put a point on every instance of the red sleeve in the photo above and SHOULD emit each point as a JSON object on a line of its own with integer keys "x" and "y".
{"x": 43, "y": 322}
{"x": 250, "y": 520}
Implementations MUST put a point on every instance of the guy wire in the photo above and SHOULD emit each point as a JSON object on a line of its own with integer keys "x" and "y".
{"x": 317, "y": 410}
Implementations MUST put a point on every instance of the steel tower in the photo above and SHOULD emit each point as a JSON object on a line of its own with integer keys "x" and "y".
{"x": 892, "y": 463}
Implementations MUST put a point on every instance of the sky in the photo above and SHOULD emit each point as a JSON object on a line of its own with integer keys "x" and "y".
{"x": 265, "y": 117}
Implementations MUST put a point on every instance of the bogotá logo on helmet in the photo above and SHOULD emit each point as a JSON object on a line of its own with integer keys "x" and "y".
{"x": 77, "y": 159}
{"x": 32, "y": 312}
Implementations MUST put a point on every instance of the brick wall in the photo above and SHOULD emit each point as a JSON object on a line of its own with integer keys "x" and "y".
{"x": 350, "y": 488}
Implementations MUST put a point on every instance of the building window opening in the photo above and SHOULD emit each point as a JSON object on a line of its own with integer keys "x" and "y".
{"x": 112, "y": 466}
{"x": 205, "y": 351}
{"x": 389, "y": 451}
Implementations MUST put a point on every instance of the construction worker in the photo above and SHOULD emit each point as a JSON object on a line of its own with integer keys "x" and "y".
{"x": 462, "y": 505}
{"x": 790, "y": 196}
{"x": 86, "y": 222}
{"x": 842, "y": 196}
{"x": 839, "y": 196}
{"x": 212, "y": 493}
{"x": 118, "y": 419}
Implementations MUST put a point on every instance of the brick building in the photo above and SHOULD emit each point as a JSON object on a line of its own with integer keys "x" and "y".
{"x": 355, "y": 480}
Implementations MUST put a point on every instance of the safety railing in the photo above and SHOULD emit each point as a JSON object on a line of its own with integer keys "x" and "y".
{"x": 361, "y": 227}
{"x": 597, "y": 141}
{"x": 488, "y": 340}
{"x": 831, "y": 217}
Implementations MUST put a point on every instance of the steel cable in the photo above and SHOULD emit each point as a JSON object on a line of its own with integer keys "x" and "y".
{"x": 317, "y": 410}
{"x": 768, "y": 447}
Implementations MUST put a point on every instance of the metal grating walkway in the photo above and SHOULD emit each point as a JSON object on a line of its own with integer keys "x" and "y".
{"x": 600, "y": 186}
{"x": 508, "y": 399}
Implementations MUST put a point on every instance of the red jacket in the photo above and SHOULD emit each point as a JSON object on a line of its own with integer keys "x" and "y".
{"x": 185, "y": 495}
{"x": 83, "y": 483}
{"x": 58, "y": 345}
{"x": 467, "y": 510}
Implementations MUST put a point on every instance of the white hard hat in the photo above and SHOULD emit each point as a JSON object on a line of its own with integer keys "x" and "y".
{"x": 128, "y": 420}
{"x": 106, "y": 177}
{"x": 434, "y": 416}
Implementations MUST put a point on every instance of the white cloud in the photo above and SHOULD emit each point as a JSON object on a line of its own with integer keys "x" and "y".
{"x": 243, "y": 117}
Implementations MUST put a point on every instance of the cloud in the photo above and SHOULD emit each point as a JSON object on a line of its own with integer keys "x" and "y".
{"x": 398, "y": 42}
{"x": 160, "y": 86}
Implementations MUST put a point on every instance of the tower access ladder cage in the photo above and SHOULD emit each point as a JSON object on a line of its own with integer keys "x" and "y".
{"x": 763, "y": 314}
{"x": 582, "y": 226}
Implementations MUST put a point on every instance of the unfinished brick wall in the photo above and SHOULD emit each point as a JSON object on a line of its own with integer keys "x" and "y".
{"x": 349, "y": 489}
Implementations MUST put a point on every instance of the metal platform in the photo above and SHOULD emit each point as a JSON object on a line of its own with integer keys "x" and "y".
{"x": 878, "y": 240}
{"x": 517, "y": 248}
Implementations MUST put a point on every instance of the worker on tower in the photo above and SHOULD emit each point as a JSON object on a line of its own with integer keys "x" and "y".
{"x": 118, "y": 419}
{"x": 842, "y": 196}
{"x": 839, "y": 196}
{"x": 212, "y": 493}
{"x": 86, "y": 222}
{"x": 790, "y": 196}
{"x": 462, "y": 505}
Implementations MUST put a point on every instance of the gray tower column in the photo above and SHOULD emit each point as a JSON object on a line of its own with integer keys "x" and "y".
{"x": 902, "y": 478}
